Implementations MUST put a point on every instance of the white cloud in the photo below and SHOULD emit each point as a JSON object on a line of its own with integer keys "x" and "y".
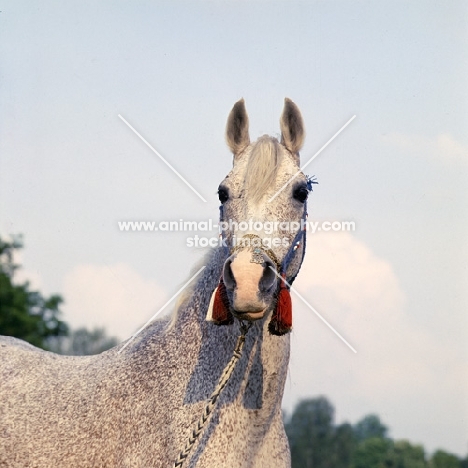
{"x": 399, "y": 371}
{"x": 448, "y": 147}
{"x": 114, "y": 296}
{"x": 442, "y": 146}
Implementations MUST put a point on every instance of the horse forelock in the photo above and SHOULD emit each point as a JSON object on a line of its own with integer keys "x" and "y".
{"x": 262, "y": 167}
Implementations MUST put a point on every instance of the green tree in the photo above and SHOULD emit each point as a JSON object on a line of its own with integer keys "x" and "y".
{"x": 24, "y": 313}
{"x": 378, "y": 452}
{"x": 83, "y": 342}
{"x": 344, "y": 445}
{"x": 369, "y": 427}
{"x": 406, "y": 455}
{"x": 372, "y": 453}
{"x": 310, "y": 432}
{"x": 441, "y": 459}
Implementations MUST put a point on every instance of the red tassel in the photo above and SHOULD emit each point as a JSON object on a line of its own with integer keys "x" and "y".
{"x": 281, "y": 322}
{"x": 221, "y": 313}
{"x": 284, "y": 308}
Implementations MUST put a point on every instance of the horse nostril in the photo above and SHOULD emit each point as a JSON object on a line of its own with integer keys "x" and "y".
{"x": 228, "y": 276}
{"x": 268, "y": 279}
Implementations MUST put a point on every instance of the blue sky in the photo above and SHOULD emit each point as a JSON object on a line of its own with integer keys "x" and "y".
{"x": 396, "y": 287}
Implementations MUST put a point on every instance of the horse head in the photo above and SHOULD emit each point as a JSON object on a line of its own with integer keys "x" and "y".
{"x": 263, "y": 211}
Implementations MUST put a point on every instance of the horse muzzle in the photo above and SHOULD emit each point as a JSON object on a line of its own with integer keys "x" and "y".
{"x": 251, "y": 284}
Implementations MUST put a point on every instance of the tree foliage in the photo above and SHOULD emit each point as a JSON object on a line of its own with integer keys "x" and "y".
{"x": 442, "y": 459}
{"x": 369, "y": 427}
{"x": 371, "y": 453}
{"x": 378, "y": 452}
{"x": 405, "y": 454}
{"x": 316, "y": 442}
{"x": 344, "y": 445}
{"x": 24, "y": 313}
{"x": 310, "y": 432}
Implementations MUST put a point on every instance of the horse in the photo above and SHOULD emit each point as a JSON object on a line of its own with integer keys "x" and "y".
{"x": 135, "y": 404}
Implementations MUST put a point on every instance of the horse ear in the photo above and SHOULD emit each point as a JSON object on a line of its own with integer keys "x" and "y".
{"x": 292, "y": 127}
{"x": 237, "y": 128}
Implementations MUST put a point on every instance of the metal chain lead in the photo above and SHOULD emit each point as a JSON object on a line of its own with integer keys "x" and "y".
{"x": 211, "y": 403}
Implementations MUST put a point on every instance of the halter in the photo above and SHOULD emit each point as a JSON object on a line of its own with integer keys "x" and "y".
{"x": 257, "y": 251}
{"x": 281, "y": 321}
{"x": 257, "y": 256}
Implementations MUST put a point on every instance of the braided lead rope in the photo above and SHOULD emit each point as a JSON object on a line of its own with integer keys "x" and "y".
{"x": 211, "y": 403}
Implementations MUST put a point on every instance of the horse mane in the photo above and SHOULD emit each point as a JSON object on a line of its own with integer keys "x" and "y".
{"x": 187, "y": 293}
{"x": 262, "y": 167}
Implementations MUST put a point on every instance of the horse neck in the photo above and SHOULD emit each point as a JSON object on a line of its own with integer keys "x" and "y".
{"x": 258, "y": 381}
{"x": 200, "y": 350}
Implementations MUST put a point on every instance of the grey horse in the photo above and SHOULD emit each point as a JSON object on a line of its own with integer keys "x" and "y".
{"x": 136, "y": 408}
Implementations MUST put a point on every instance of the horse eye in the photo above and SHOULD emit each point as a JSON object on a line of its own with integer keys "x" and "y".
{"x": 301, "y": 194}
{"x": 223, "y": 195}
